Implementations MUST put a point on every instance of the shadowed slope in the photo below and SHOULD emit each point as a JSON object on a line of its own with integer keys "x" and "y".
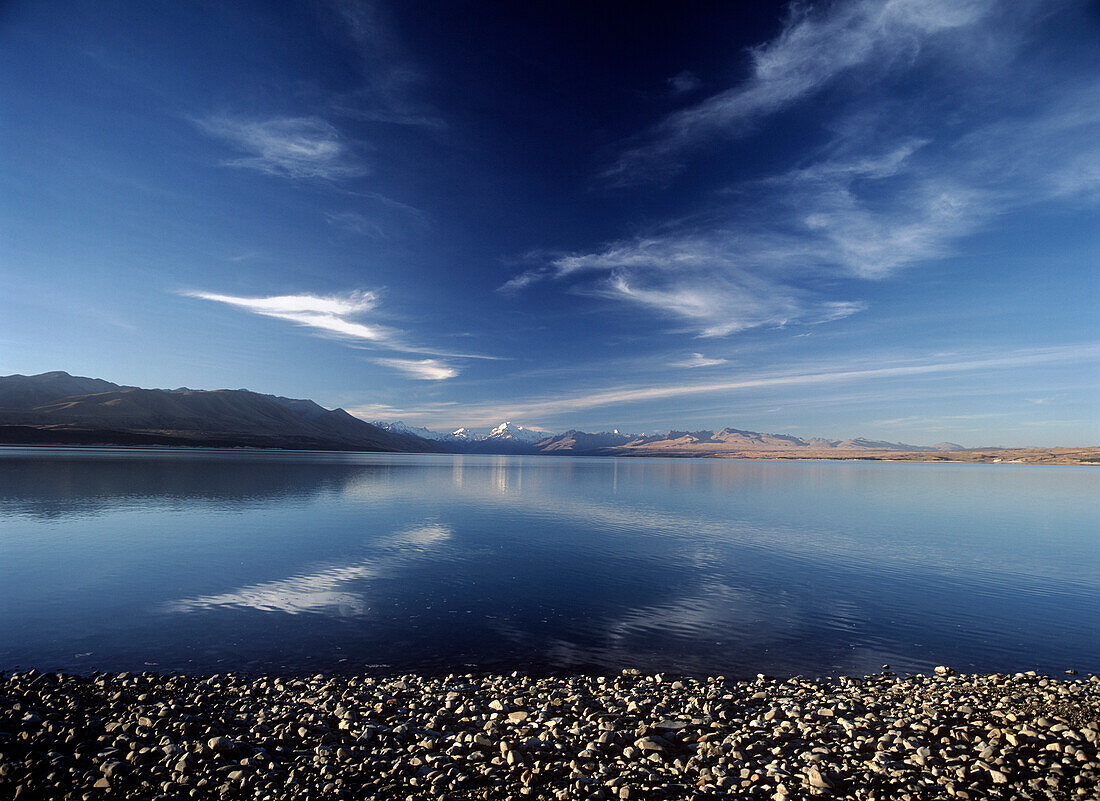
{"x": 58, "y": 407}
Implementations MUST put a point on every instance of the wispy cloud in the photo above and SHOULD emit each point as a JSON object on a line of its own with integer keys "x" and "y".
{"x": 390, "y": 79}
{"x": 814, "y": 49}
{"x": 683, "y": 82}
{"x": 377, "y": 216}
{"x": 710, "y": 279}
{"x": 327, "y": 313}
{"x": 291, "y": 147}
{"x": 375, "y": 411}
{"x": 422, "y": 369}
{"x": 356, "y": 223}
{"x": 919, "y": 146}
{"x": 698, "y": 360}
{"x": 332, "y": 315}
{"x": 932, "y": 422}
{"x": 538, "y": 409}
{"x": 720, "y": 304}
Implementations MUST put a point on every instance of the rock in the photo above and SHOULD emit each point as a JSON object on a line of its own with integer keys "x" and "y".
{"x": 909, "y": 737}
{"x": 221, "y": 745}
{"x": 816, "y": 779}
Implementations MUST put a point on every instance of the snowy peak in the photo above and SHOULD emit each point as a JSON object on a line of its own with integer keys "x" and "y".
{"x": 399, "y": 427}
{"x": 509, "y": 431}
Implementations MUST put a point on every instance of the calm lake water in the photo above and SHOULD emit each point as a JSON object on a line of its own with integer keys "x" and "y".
{"x": 307, "y": 562}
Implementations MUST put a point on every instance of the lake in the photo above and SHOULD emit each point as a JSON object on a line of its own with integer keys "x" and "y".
{"x": 211, "y": 561}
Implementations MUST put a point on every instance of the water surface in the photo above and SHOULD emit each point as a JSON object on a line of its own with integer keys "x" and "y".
{"x": 303, "y": 562}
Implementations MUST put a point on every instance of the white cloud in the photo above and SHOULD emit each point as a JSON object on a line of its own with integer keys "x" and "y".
{"x": 685, "y": 301}
{"x": 718, "y": 305}
{"x": 942, "y": 117}
{"x": 326, "y": 313}
{"x": 423, "y": 369}
{"x": 840, "y": 373}
{"x": 331, "y": 315}
{"x": 292, "y": 147}
{"x": 705, "y": 278}
{"x": 698, "y": 360}
{"x": 374, "y": 411}
{"x": 814, "y": 48}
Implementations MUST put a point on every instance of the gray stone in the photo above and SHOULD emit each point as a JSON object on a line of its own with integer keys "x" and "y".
{"x": 221, "y": 745}
{"x": 816, "y": 779}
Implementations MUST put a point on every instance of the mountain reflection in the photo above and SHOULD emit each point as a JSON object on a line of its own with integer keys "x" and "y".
{"x": 56, "y": 484}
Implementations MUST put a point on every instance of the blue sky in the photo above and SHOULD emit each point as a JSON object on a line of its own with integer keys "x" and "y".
{"x": 829, "y": 219}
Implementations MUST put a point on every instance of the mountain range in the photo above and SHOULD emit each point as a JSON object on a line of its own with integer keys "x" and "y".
{"x": 505, "y": 438}
{"x": 60, "y": 408}
{"x": 508, "y": 437}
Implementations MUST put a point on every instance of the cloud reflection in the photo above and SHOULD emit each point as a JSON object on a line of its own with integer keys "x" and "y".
{"x": 330, "y": 590}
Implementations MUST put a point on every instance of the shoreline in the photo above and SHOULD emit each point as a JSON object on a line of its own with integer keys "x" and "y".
{"x": 627, "y": 736}
{"x": 1059, "y": 456}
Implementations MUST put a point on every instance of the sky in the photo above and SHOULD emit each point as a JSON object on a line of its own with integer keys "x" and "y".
{"x": 851, "y": 218}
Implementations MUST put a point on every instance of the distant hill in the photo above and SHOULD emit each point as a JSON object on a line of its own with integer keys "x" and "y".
{"x": 574, "y": 441}
{"x": 57, "y": 407}
{"x": 61, "y": 408}
{"x": 727, "y": 441}
{"x": 511, "y": 438}
{"x": 29, "y": 391}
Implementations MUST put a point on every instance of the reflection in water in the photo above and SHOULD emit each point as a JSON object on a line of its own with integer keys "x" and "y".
{"x": 91, "y": 480}
{"x": 212, "y": 560}
{"x": 313, "y": 592}
{"x": 457, "y": 471}
{"x": 335, "y": 589}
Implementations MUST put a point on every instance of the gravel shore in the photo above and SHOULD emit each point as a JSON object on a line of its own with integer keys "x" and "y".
{"x": 628, "y": 736}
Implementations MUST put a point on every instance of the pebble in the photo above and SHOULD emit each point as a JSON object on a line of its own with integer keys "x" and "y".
{"x": 483, "y": 737}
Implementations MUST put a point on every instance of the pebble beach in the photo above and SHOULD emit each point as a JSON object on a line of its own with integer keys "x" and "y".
{"x": 628, "y": 736}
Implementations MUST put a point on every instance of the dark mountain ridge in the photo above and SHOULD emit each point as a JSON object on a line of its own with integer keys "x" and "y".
{"x": 58, "y": 407}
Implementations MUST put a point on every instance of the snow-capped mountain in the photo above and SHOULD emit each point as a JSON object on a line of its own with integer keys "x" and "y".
{"x": 398, "y": 427}
{"x": 506, "y": 432}
{"x": 510, "y": 431}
